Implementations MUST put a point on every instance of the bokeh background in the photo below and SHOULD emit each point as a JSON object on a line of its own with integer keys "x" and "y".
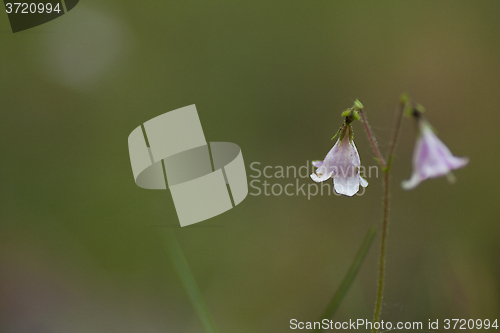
{"x": 82, "y": 248}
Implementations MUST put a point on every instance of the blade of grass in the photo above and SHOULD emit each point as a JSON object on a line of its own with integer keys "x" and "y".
{"x": 348, "y": 278}
{"x": 188, "y": 281}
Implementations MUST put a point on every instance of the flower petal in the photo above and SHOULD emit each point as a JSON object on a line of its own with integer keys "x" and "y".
{"x": 321, "y": 174}
{"x": 411, "y": 183}
{"x": 363, "y": 182}
{"x": 317, "y": 164}
{"x": 346, "y": 185}
{"x": 457, "y": 162}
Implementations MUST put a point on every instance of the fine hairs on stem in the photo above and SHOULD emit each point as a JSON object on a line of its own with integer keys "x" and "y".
{"x": 386, "y": 167}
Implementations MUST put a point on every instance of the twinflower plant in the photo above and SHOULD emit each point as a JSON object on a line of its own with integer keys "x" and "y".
{"x": 431, "y": 159}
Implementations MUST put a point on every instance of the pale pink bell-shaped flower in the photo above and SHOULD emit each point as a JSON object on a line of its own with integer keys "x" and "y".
{"x": 431, "y": 158}
{"x": 342, "y": 161}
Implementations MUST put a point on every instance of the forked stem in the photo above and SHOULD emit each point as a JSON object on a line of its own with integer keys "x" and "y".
{"x": 386, "y": 166}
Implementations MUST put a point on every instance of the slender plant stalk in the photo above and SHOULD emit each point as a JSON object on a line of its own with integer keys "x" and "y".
{"x": 348, "y": 278}
{"x": 182, "y": 269}
{"x": 372, "y": 140}
{"x": 383, "y": 246}
{"x": 186, "y": 276}
{"x": 386, "y": 203}
{"x": 403, "y": 104}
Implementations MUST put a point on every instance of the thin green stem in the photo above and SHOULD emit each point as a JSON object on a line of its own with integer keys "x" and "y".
{"x": 397, "y": 127}
{"x": 181, "y": 267}
{"x": 188, "y": 281}
{"x": 383, "y": 246}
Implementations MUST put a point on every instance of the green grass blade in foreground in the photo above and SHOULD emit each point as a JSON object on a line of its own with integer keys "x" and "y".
{"x": 186, "y": 276}
{"x": 348, "y": 278}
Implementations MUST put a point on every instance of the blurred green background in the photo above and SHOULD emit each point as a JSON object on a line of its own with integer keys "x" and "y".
{"x": 82, "y": 248}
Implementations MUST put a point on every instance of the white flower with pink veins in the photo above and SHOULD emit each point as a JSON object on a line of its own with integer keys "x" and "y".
{"x": 343, "y": 162}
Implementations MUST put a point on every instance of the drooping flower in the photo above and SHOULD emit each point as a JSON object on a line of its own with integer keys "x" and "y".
{"x": 343, "y": 163}
{"x": 431, "y": 157}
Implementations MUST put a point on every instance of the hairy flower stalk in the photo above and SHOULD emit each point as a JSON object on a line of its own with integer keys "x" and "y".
{"x": 342, "y": 162}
